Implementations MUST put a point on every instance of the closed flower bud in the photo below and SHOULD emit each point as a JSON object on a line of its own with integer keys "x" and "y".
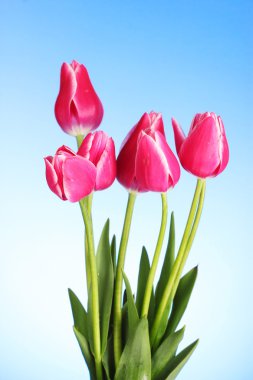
{"x": 204, "y": 152}
{"x": 78, "y": 109}
{"x": 69, "y": 176}
{"x": 145, "y": 161}
{"x": 100, "y": 150}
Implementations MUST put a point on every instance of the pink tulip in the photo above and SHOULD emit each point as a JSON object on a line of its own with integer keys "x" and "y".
{"x": 69, "y": 176}
{"x": 204, "y": 152}
{"x": 145, "y": 161}
{"x": 78, "y": 109}
{"x": 100, "y": 150}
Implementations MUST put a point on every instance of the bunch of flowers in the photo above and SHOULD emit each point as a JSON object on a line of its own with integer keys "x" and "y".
{"x": 131, "y": 335}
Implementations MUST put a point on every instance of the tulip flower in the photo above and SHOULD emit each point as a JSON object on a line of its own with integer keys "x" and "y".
{"x": 204, "y": 152}
{"x": 99, "y": 148}
{"x": 145, "y": 161}
{"x": 69, "y": 176}
{"x": 78, "y": 110}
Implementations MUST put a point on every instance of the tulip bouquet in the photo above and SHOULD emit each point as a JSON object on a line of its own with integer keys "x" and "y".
{"x": 131, "y": 335}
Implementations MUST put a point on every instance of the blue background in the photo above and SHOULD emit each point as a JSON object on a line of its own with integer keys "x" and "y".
{"x": 176, "y": 57}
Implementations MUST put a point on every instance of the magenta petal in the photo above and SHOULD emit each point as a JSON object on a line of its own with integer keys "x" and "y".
{"x": 223, "y": 148}
{"x": 67, "y": 91}
{"x": 151, "y": 166}
{"x": 79, "y": 176}
{"x": 173, "y": 165}
{"x": 93, "y": 146}
{"x": 178, "y": 134}
{"x": 52, "y": 178}
{"x": 88, "y": 105}
{"x": 106, "y": 167}
{"x": 199, "y": 151}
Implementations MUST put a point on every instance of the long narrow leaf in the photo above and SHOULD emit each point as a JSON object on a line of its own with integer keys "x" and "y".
{"x": 132, "y": 313}
{"x": 135, "y": 361}
{"x": 83, "y": 343}
{"x": 165, "y": 353}
{"x": 142, "y": 279}
{"x": 181, "y": 299}
{"x": 177, "y": 363}
{"x": 105, "y": 283}
{"x": 79, "y": 314}
{"x": 113, "y": 253}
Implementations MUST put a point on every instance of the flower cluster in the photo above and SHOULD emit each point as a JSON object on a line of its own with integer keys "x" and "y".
{"x": 143, "y": 344}
{"x": 145, "y": 161}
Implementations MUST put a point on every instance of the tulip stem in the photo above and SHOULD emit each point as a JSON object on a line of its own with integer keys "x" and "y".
{"x": 151, "y": 276}
{"x": 94, "y": 286}
{"x": 183, "y": 252}
{"x": 117, "y": 333}
{"x": 79, "y": 140}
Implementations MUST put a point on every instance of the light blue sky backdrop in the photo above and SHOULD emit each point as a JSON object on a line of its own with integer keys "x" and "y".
{"x": 176, "y": 57}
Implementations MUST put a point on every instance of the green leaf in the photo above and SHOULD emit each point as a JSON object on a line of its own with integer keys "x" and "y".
{"x": 177, "y": 363}
{"x": 142, "y": 279}
{"x": 181, "y": 299}
{"x": 135, "y": 361}
{"x": 113, "y": 253}
{"x": 84, "y": 345}
{"x": 165, "y": 353}
{"x": 108, "y": 359}
{"x": 167, "y": 263}
{"x": 105, "y": 283}
{"x": 79, "y": 314}
{"x": 133, "y": 317}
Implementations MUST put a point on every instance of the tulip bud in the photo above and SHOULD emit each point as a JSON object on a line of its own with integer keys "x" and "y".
{"x": 145, "y": 161}
{"x": 204, "y": 152}
{"x": 78, "y": 109}
{"x": 69, "y": 176}
{"x": 100, "y": 150}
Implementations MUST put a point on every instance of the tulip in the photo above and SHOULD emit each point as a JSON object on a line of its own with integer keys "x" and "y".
{"x": 145, "y": 161}
{"x": 100, "y": 150}
{"x": 69, "y": 176}
{"x": 204, "y": 152}
{"x": 78, "y": 109}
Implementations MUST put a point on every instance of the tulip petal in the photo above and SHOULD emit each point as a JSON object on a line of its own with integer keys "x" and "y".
{"x": 93, "y": 146}
{"x": 79, "y": 176}
{"x": 151, "y": 166}
{"x": 106, "y": 167}
{"x": 68, "y": 85}
{"x": 52, "y": 178}
{"x": 223, "y": 148}
{"x": 88, "y": 105}
{"x": 126, "y": 158}
{"x": 173, "y": 165}
{"x": 178, "y": 134}
{"x": 199, "y": 151}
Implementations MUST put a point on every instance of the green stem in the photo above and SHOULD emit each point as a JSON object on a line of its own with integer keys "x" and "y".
{"x": 117, "y": 333}
{"x": 79, "y": 140}
{"x": 180, "y": 260}
{"x": 158, "y": 248}
{"x": 94, "y": 289}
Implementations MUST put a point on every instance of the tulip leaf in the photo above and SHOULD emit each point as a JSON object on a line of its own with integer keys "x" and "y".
{"x": 108, "y": 359}
{"x": 176, "y": 364}
{"x": 135, "y": 361}
{"x": 105, "y": 283}
{"x": 181, "y": 299}
{"x": 133, "y": 317}
{"x": 142, "y": 279}
{"x": 167, "y": 264}
{"x": 79, "y": 314}
{"x": 113, "y": 253}
{"x": 84, "y": 346}
{"x": 165, "y": 353}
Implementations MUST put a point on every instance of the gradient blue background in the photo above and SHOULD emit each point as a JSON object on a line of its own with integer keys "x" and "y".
{"x": 175, "y": 57}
